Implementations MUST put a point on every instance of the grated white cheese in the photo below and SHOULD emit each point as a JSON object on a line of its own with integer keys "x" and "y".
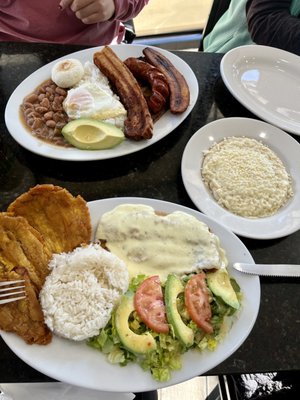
{"x": 246, "y": 177}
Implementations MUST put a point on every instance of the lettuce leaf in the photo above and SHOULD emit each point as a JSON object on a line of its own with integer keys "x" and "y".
{"x": 169, "y": 350}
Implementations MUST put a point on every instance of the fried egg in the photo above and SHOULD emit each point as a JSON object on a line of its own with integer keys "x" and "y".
{"x": 93, "y": 98}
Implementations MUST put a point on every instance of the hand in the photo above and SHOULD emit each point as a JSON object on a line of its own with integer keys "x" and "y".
{"x": 90, "y": 11}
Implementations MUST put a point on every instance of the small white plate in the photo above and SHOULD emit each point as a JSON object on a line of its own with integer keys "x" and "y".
{"x": 286, "y": 220}
{"x": 78, "y": 364}
{"x": 165, "y": 125}
{"x": 265, "y": 80}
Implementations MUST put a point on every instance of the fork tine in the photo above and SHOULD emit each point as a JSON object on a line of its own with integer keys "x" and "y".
{"x": 11, "y": 300}
{"x": 10, "y": 289}
{"x": 6, "y": 283}
{"x": 12, "y": 293}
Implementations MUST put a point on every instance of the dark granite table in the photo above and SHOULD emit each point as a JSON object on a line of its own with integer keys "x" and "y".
{"x": 154, "y": 172}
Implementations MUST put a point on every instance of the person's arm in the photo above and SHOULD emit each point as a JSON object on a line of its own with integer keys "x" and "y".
{"x": 94, "y": 11}
{"x": 270, "y": 23}
{"x": 128, "y": 9}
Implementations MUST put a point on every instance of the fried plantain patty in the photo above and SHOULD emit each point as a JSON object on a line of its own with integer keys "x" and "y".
{"x": 62, "y": 219}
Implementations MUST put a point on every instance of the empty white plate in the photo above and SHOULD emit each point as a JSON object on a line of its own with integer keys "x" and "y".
{"x": 265, "y": 80}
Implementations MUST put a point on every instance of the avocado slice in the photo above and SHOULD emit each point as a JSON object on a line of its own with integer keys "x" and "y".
{"x": 173, "y": 288}
{"x": 219, "y": 283}
{"x": 89, "y": 134}
{"x": 140, "y": 344}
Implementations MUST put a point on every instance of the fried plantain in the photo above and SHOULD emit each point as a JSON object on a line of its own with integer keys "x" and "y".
{"x": 45, "y": 220}
{"x": 24, "y": 317}
{"x": 62, "y": 219}
{"x": 22, "y": 245}
{"x": 23, "y": 255}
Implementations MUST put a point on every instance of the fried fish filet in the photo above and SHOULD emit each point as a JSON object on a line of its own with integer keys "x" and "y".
{"x": 62, "y": 219}
{"x": 24, "y": 317}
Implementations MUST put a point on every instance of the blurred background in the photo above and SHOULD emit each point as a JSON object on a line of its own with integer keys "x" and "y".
{"x": 173, "y": 24}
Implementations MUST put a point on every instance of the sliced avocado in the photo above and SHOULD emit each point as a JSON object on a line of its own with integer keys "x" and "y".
{"x": 219, "y": 283}
{"x": 173, "y": 288}
{"x": 89, "y": 134}
{"x": 139, "y": 344}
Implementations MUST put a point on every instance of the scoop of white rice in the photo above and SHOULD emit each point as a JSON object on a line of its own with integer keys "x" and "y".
{"x": 81, "y": 291}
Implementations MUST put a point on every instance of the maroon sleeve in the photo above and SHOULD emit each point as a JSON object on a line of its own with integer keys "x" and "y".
{"x": 270, "y": 23}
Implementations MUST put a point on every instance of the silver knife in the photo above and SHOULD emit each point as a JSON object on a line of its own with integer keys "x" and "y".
{"x": 269, "y": 269}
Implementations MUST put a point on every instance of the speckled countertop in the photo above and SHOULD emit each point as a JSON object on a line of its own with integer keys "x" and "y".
{"x": 154, "y": 172}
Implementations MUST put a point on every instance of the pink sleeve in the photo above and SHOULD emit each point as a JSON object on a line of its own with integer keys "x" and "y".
{"x": 128, "y": 9}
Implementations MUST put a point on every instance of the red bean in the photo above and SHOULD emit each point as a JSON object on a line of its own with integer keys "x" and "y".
{"x": 41, "y": 110}
{"x": 48, "y": 115}
{"x": 32, "y": 98}
{"x": 41, "y": 96}
{"x": 45, "y": 103}
{"x": 27, "y": 111}
{"x": 61, "y": 92}
{"x": 50, "y": 123}
{"x": 37, "y": 123}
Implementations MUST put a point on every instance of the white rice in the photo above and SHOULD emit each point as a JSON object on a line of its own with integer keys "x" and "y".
{"x": 81, "y": 291}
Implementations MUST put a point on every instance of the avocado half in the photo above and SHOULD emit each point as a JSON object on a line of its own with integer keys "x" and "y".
{"x": 140, "y": 344}
{"x": 172, "y": 289}
{"x": 219, "y": 283}
{"x": 89, "y": 134}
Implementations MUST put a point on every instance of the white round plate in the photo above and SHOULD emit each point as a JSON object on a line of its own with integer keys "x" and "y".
{"x": 285, "y": 221}
{"x": 165, "y": 125}
{"x": 76, "y": 363}
{"x": 265, "y": 80}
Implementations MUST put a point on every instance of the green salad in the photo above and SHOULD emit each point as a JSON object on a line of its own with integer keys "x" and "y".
{"x": 127, "y": 338}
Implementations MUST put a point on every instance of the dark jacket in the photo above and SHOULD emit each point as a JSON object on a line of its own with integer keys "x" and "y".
{"x": 271, "y": 23}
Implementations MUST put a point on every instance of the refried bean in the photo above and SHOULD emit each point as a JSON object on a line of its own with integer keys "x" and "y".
{"x": 44, "y": 114}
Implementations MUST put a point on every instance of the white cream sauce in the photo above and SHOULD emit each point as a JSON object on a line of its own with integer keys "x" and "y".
{"x": 159, "y": 244}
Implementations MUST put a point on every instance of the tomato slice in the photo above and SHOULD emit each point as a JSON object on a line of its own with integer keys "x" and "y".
{"x": 197, "y": 302}
{"x": 149, "y": 304}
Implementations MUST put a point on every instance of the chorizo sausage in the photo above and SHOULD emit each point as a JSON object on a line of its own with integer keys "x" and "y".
{"x": 179, "y": 90}
{"x": 144, "y": 71}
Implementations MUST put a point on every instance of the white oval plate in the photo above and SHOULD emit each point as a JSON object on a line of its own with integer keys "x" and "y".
{"x": 78, "y": 364}
{"x": 265, "y": 80}
{"x": 165, "y": 125}
{"x": 284, "y": 222}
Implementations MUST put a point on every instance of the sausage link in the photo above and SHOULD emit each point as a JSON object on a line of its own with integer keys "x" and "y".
{"x": 157, "y": 81}
{"x": 179, "y": 89}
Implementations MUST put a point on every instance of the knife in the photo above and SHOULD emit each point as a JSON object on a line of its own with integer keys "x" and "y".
{"x": 269, "y": 269}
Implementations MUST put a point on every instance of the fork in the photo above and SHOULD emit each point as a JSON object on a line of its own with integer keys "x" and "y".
{"x": 13, "y": 290}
